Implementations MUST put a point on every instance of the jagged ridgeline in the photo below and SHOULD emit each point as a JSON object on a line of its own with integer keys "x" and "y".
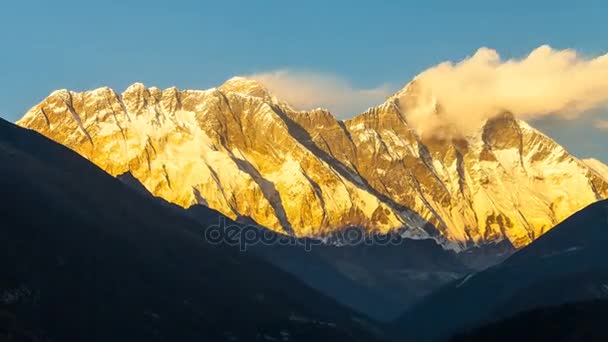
{"x": 247, "y": 154}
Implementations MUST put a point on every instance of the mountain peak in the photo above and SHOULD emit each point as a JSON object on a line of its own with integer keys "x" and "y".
{"x": 411, "y": 87}
{"x": 416, "y": 100}
{"x": 245, "y": 86}
{"x": 58, "y": 92}
{"x": 135, "y": 87}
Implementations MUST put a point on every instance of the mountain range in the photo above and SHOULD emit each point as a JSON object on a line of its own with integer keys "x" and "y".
{"x": 470, "y": 218}
{"x": 249, "y": 155}
{"x": 87, "y": 256}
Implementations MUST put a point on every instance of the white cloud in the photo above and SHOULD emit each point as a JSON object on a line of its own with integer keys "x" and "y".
{"x": 308, "y": 90}
{"x": 545, "y": 83}
{"x": 601, "y": 124}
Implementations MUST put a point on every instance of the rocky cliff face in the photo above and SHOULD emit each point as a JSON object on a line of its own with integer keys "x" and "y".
{"x": 600, "y": 168}
{"x": 241, "y": 151}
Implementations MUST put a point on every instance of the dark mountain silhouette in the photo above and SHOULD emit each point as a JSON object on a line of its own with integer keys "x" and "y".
{"x": 85, "y": 258}
{"x": 584, "y": 321}
{"x": 568, "y": 264}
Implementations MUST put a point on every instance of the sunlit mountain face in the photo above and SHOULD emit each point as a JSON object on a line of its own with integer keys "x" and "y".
{"x": 244, "y": 152}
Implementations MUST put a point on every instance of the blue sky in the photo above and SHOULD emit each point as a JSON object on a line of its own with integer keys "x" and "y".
{"x": 199, "y": 44}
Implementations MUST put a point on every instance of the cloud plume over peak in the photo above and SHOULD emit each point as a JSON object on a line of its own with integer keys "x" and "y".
{"x": 547, "y": 82}
{"x": 601, "y": 124}
{"x": 308, "y": 90}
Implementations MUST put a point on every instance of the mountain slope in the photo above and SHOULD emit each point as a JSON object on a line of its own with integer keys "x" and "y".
{"x": 379, "y": 279}
{"x": 585, "y": 321}
{"x": 568, "y": 264}
{"x": 310, "y": 175}
{"x": 83, "y": 257}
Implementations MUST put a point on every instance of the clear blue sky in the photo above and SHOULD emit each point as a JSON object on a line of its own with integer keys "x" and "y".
{"x": 80, "y": 45}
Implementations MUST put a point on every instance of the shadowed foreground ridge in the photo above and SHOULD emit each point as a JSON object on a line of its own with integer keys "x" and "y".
{"x": 585, "y": 321}
{"x": 569, "y": 264}
{"x": 85, "y": 258}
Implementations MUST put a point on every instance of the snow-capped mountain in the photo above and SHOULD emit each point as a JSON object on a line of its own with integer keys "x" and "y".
{"x": 247, "y": 154}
